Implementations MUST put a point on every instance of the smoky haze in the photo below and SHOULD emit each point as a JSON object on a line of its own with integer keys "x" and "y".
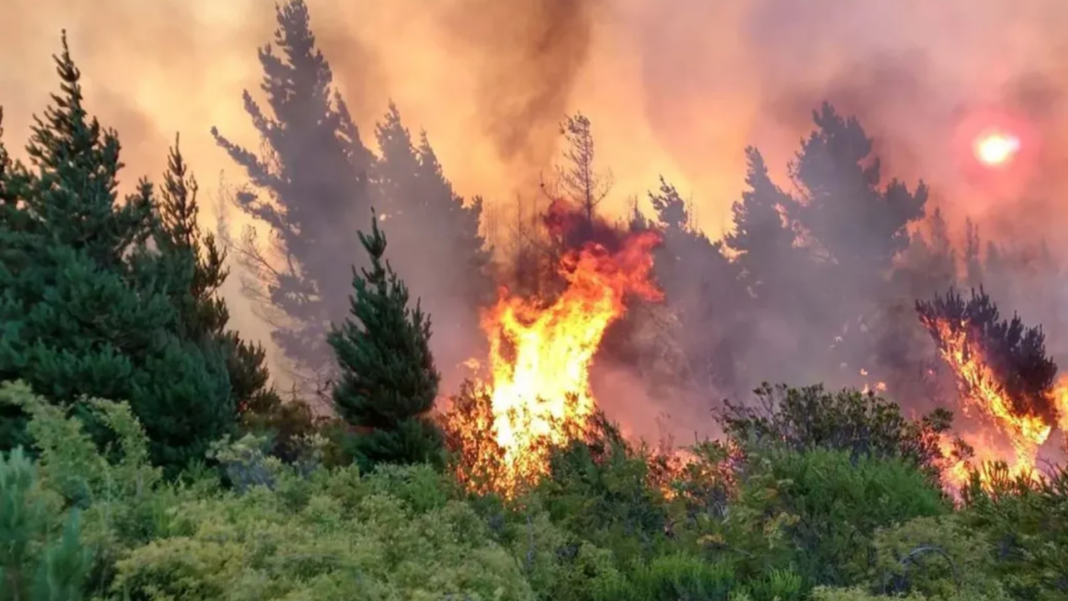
{"x": 673, "y": 87}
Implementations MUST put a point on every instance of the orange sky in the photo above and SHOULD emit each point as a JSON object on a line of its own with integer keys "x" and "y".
{"x": 673, "y": 87}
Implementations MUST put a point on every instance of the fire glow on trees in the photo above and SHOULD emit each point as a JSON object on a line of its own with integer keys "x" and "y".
{"x": 1001, "y": 370}
{"x": 539, "y": 396}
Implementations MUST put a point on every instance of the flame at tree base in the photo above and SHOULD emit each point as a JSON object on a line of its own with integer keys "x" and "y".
{"x": 1025, "y": 427}
{"x": 539, "y": 396}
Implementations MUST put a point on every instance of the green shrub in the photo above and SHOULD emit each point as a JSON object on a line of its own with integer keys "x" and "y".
{"x": 934, "y": 556}
{"x": 1027, "y": 524}
{"x": 816, "y": 512}
{"x": 368, "y": 542}
{"x": 598, "y": 489}
{"x": 40, "y": 560}
{"x": 671, "y": 577}
{"x": 859, "y": 423}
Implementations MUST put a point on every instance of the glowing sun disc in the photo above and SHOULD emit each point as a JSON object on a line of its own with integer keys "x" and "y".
{"x": 996, "y": 148}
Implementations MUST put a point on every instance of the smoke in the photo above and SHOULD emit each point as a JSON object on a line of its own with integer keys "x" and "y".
{"x": 526, "y": 58}
{"x": 679, "y": 86}
{"x": 673, "y": 87}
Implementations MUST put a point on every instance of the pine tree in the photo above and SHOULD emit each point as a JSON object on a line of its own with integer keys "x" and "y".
{"x": 930, "y": 262}
{"x": 86, "y": 308}
{"x": 11, "y": 218}
{"x": 578, "y": 178}
{"x": 7, "y": 200}
{"x": 387, "y": 383}
{"x": 425, "y": 213}
{"x": 1016, "y": 354}
{"x": 205, "y": 317}
{"x": 857, "y": 220}
{"x": 762, "y": 239}
{"x": 700, "y": 286}
{"x": 203, "y": 313}
{"x": 315, "y": 170}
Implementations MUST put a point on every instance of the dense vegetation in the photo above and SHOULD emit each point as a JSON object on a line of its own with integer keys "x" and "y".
{"x": 145, "y": 456}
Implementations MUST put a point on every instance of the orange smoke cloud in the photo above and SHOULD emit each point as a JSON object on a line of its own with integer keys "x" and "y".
{"x": 674, "y": 87}
{"x": 678, "y": 87}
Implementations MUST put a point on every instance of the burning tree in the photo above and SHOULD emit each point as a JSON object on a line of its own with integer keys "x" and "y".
{"x": 541, "y": 350}
{"x": 1001, "y": 368}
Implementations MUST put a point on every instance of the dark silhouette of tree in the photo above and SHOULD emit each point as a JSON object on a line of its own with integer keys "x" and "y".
{"x": 6, "y": 197}
{"x": 762, "y": 239}
{"x": 315, "y": 171}
{"x": 578, "y": 178}
{"x": 790, "y": 324}
{"x": 387, "y": 381}
{"x": 930, "y": 262}
{"x": 855, "y": 221}
{"x": 702, "y": 289}
{"x": 428, "y": 218}
{"x": 577, "y": 183}
{"x": 87, "y": 308}
{"x": 973, "y": 260}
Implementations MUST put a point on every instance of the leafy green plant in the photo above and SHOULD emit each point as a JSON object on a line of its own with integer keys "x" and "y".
{"x": 934, "y": 556}
{"x": 859, "y": 423}
{"x": 1027, "y": 525}
{"x": 39, "y": 561}
{"x": 816, "y": 511}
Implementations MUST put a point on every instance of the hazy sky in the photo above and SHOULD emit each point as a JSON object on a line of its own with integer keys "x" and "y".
{"x": 673, "y": 87}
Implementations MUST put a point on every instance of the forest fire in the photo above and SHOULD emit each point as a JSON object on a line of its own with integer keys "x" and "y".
{"x": 1023, "y": 412}
{"x": 538, "y": 395}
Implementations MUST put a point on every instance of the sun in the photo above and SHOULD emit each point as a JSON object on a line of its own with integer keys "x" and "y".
{"x": 996, "y": 148}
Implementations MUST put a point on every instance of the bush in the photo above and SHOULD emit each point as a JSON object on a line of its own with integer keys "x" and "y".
{"x": 938, "y": 557}
{"x": 1027, "y": 525}
{"x": 859, "y": 423}
{"x": 333, "y": 535}
{"x": 816, "y": 512}
{"x": 34, "y": 565}
{"x": 598, "y": 489}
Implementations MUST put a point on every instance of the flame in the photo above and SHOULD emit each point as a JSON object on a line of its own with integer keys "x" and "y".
{"x": 880, "y": 386}
{"x": 981, "y": 390}
{"x": 540, "y": 355}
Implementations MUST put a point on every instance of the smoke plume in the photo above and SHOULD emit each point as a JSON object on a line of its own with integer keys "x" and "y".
{"x": 673, "y": 87}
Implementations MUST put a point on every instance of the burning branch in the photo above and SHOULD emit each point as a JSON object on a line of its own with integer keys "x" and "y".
{"x": 1001, "y": 368}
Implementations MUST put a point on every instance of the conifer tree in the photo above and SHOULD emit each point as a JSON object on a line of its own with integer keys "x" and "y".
{"x": 6, "y": 198}
{"x": 701, "y": 286}
{"x": 86, "y": 308}
{"x": 858, "y": 221}
{"x": 204, "y": 315}
{"x": 426, "y": 214}
{"x": 315, "y": 170}
{"x": 1015, "y": 354}
{"x": 578, "y": 178}
{"x": 930, "y": 262}
{"x": 387, "y": 380}
{"x": 762, "y": 239}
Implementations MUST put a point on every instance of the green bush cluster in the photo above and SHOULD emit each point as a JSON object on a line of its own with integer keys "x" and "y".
{"x": 84, "y": 522}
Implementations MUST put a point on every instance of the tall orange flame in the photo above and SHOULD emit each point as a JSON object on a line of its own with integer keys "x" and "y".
{"x": 980, "y": 389}
{"x": 539, "y": 393}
